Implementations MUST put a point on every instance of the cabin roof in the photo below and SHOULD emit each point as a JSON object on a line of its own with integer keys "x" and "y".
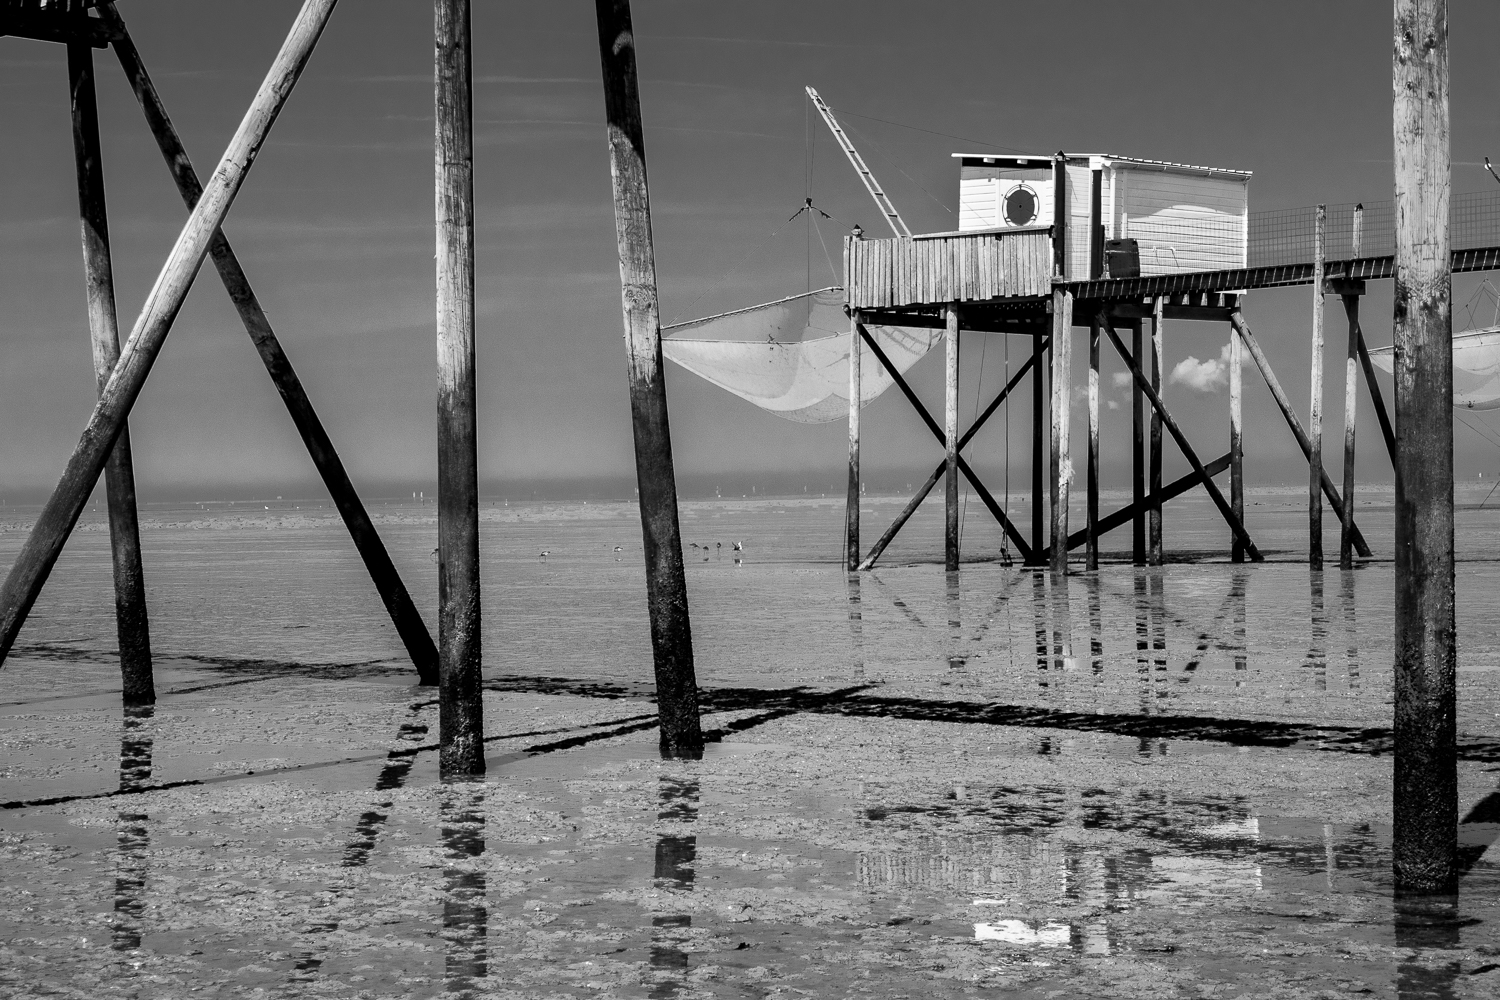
{"x": 1013, "y": 161}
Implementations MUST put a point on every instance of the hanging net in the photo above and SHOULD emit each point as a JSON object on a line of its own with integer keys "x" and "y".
{"x": 791, "y": 357}
{"x": 1476, "y": 368}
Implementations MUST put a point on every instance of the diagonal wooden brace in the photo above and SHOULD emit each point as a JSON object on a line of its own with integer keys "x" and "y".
{"x": 1125, "y": 514}
{"x": 1237, "y": 319}
{"x": 932, "y": 425}
{"x": 388, "y": 583}
{"x": 58, "y": 516}
{"x": 1386, "y": 430}
{"x": 921, "y": 494}
{"x": 1182, "y": 442}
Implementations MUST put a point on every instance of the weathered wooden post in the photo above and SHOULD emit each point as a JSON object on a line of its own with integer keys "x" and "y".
{"x": 1158, "y": 362}
{"x": 1236, "y": 441}
{"x": 1351, "y": 394}
{"x": 1062, "y": 464}
{"x": 1137, "y": 457}
{"x": 132, "y": 625}
{"x": 1038, "y": 445}
{"x": 1315, "y": 408}
{"x": 950, "y": 432}
{"x": 1425, "y": 789}
{"x": 460, "y": 665}
{"x": 666, "y": 586}
{"x": 851, "y": 502}
{"x": 60, "y": 513}
{"x": 1092, "y": 543}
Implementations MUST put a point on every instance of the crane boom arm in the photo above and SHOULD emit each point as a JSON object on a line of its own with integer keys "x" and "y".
{"x": 893, "y": 217}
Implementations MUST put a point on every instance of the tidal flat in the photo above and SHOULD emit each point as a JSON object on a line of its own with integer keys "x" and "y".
{"x": 1171, "y": 782}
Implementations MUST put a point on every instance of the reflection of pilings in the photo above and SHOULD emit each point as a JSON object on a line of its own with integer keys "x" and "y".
{"x": 1157, "y": 585}
{"x": 465, "y": 917}
{"x": 1317, "y": 649}
{"x": 1062, "y": 625}
{"x": 131, "y": 832}
{"x": 1096, "y": 629}
{"x": 1143, "y": 639}
{"x": 1426, "y": 923}
{"x": 392, "y": 776}
{"x": 1239, "y": 587}
{"x": 1351, "y": 627}
{"x": 675, "y": 854}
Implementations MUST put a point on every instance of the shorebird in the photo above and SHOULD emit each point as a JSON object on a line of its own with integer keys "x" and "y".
{"x": 739, "y": 546}
{"x": 619, "y": 548}
{"x": 542, "y": 555}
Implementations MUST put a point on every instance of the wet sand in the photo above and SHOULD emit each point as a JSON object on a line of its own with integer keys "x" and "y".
{"x": 1137, "y": 783}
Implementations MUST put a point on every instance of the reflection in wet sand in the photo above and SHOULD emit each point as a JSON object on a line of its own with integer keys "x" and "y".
{"x": 1426, "y": 924}
{"x": 856, "y": 623}
{"x": 131, "y": 832}
{"x": 465, "y": 916}
{"x": 957, "y": 658}
{"x": 1351, "y": 626}
{"x": 675, "y": 855}
{"x": 1239, "y": 589}
{"x": 1096, "y": 627}
{"x": 1317, "y": 648}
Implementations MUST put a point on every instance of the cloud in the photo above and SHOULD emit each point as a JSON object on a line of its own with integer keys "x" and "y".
{"x": 1114, "y": 404}
{"x": 1203, "y": 376}
{"x": 1122, "y": 380}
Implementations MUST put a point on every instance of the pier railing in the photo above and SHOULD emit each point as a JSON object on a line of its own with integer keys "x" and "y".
{"x": 947, "y": 267}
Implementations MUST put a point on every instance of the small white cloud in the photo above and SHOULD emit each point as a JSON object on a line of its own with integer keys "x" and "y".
{"x": 1203, "y": 376}
{"x": 1114, "y": 404}
{"x": 1122, "y": 380}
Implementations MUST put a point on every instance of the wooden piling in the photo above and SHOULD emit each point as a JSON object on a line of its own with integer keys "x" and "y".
{"x": 1137, "y": 457}
{"x": 388, "y": 584}
{"x": 1236, "y": 440}
{"x": 1091, "y": 552}
{"x": 1158, "y": 361}
{"x": 1315, "y": 408}
{"x": 460, "y": 677}
{"x": 851, "y": 500}
{"x": 666, "y": 585}
{"x": 1039, "y": 347}
{"x": 60, "y": 513}
{"x": 950, "y": 438}
{"x": 1062, "y": 464}
{"x": 132, "y": 624}
{"x": 1425, "y": 791}
{"x": 1351, "y": 395}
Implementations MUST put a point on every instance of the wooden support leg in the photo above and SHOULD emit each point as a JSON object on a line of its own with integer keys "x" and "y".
{"x": 1330, "y": 491}
{"x": 460, "y": 678}
{"x": 60, "y": 513}
{"x": 1315, "y": 408}
{"x": 1235, "y": 524}
{"x": 1351, "y": 395}
{"x": 1062, "y": 465}
{"x": 1154, "y": 541}
{"x": 1236, "y": 440}
{"x": 1092, "y": 552}
{"x": 1039, "y": 341}
{"x": 1425, "y": 786}
{"x": 851, "y": 501}
{"x": 950, "y": 438}
{"x": 666, "y": 584}
{"x": 1170, "y": 491}
{"x": 388, "y": 584}
{"x": 1137, "y": 457}
{"x": 132, "y": 625}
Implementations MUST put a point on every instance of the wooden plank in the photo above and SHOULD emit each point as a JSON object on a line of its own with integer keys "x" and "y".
{"x": 1091, "y": 562}
{"x": 950, "y": 439}
{"x": 851, "y": 497}
{"x": 40, "y": 551}
{"x": 1137, "y": 458}
{"x": 409, "y": 624}
{"x": 1387, "y": 429}
{"x": 1236, "y": 439}
{"x": 132, "y": 622}
{"x": 1330, "y": 492}
{"x": 48, "y": 26}
{"x": 1039, "y": 397}
{"x": 1424, "y": 789}
{"x": 666, "y": 585}
{"x": 1235, "y": 524}
{"x": 1315, "y": 408}
{"x": 1171, "y": 491}
{"x": 1351, "y": 408}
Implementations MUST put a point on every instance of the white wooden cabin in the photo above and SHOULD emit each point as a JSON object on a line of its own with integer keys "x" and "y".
{"x": 1183, "y": 218}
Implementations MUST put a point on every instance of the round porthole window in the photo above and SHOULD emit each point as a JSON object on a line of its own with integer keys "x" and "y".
{"x": 1020, "y": 206}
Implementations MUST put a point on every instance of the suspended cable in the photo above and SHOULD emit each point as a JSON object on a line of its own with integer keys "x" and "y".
{"x": 864, "y": 138}
{"x": 826, "y": 255}
{"x": 945, "y": 135}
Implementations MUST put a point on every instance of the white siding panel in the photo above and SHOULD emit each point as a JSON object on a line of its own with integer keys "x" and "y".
{"x": 1185, "y": 222}
{"x": 977, "y": 198}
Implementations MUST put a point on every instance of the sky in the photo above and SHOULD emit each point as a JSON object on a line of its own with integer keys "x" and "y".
{"x": 334, "y": 224}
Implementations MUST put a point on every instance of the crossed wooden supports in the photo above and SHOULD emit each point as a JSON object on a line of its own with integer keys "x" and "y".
{"x": 122, "y": 372}
{"x": 1146, "y": 387}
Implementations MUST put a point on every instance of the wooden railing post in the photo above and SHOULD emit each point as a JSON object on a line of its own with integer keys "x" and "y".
{"x": 132, "y": 624}
{"x": 666, "y": 583}
{"x": 1425, "y": 787}
{"x": 60, "y": 513}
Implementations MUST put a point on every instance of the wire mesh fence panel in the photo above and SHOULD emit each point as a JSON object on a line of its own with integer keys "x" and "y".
{"x": 1286, "y": 236}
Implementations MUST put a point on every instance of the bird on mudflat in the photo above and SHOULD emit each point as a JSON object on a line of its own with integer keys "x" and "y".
{"x": 619, "y": 548}
{"x": 739, "y": 546}
{"x": 542, "y": 555}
